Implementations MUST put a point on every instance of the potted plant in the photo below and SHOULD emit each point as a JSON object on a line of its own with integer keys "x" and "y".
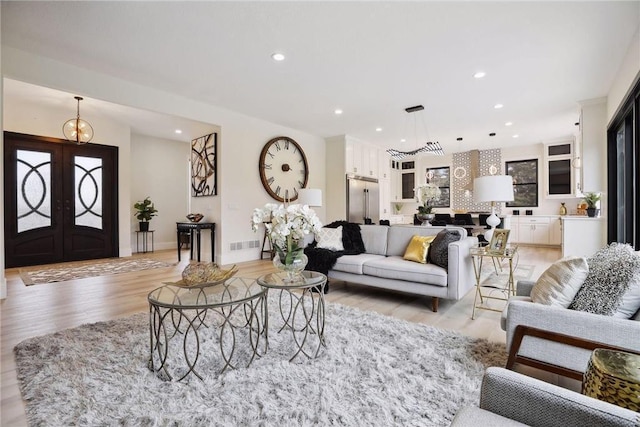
{"x": 425, "y": 195}
{"x": 592, "y": 199}
{"x": 145, "y": 210}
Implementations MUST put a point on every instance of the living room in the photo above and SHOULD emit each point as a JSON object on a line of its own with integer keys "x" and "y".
{"x": 148, "y": 164}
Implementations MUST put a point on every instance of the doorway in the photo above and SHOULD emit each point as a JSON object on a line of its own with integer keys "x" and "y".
{"x": 60, "y": 200}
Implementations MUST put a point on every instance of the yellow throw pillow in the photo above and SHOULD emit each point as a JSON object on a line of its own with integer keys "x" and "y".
{"x": 418, "y": 248}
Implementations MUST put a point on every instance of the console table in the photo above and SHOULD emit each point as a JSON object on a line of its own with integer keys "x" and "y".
{"x": 194, "y": 228}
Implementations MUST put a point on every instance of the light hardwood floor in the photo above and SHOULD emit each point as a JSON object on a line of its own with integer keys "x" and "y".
{"x": 43, "y": 309}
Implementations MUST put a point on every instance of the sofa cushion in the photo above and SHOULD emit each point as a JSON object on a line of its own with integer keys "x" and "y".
{"x": 330, "y": 238}
{"x": 560, "y": 283}
{"x": 353, "y": 263}
{"x": 375, "y": 239}
{"x": 439, "y": 248}
{"x": 400, "y": 236}
{"x": 612, "y": 286}
{"x": 395, "y": 267}
{"x": 417, "y": 249}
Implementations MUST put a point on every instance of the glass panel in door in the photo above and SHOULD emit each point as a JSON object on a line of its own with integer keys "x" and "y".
{"x": 88, "y": 191}
{"x": 33, "y": 192}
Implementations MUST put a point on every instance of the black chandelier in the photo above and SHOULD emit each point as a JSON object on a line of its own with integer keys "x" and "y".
{"x": 428, "y": 148}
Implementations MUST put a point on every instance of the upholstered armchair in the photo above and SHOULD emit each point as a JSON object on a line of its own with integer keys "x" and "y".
{"x": 511, "y": 399}
{"x": 561, "y": 340}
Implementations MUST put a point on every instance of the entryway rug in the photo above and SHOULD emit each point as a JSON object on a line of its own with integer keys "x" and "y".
{"x": 83, "y": 269}
{"x": 376, "y": 370}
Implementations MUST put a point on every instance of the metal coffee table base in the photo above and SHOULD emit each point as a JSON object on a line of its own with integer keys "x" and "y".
{"x": 303, "y": 315}
{"x": 171, "y": 323}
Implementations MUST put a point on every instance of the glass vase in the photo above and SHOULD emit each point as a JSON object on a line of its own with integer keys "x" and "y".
{"x": 294, "y": 268}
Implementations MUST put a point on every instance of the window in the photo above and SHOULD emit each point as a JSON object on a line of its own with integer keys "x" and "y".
{"x": 441, "y": 178}
{"x": 525, "y": 182}
{"x": 623, "y": 172}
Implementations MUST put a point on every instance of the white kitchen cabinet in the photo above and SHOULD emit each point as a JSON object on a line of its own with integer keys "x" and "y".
{"x": 385, "y": 198}
{"x": 582, "y": 236}
{"x": 361, "y": 159}
{"x": 535, "y": 230}
{"x": 555, "y": 231}
{"x": 384, "y": 165}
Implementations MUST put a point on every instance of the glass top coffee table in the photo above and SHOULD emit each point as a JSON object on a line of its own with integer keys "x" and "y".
{"x": 229, "y": 313}
{"x": 301, "y": 306}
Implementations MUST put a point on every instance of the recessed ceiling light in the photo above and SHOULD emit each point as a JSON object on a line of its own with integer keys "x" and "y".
{"x": 337, "y": 111}
{"x": 508, "y": 123}
{"x": 516, "y": 135}
{"x": 378, "y": 129}
{"x": 498, "y": 106}
{"x": 178, "y": 131}
{"x": 277, "y": 56}
{"x": 459, "y": 138}
{"x": 403, "y": 140}
{"x": 479, "y": 74}
{"x": 492, "y": 134}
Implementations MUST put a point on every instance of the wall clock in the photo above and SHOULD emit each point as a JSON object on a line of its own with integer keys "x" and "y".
{"x": 283, "y": 168}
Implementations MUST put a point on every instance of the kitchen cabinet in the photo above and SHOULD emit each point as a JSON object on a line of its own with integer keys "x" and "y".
{"x": 582, "y": 236}
{"x": 562, "y": 174}
{"x": 555, "y": 231}
{"x": 535, "y": 230}
{"x": 361, "y": 159}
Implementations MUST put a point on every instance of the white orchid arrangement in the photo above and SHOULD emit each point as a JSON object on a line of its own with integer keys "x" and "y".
{"x": 286, "y": 227}
{"x": 425, "y": 194}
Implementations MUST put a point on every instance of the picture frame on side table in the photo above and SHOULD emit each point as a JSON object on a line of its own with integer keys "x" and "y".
{"x": 499, "y": 240}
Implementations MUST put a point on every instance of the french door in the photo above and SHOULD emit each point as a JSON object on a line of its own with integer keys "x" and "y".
{"x": 60, "y": 200}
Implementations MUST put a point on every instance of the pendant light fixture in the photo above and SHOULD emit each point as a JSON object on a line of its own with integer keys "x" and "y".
{"x": 428, "y": 148}
{"x": 78, "y": 130}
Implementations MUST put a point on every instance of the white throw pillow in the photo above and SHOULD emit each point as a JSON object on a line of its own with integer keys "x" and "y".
{"x": 330, "y": 238}
{"x": 560, "y": 283}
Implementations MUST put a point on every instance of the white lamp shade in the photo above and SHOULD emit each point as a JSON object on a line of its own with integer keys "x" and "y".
{"x": 310, "y": 196}
{"x": 493, "y": 188}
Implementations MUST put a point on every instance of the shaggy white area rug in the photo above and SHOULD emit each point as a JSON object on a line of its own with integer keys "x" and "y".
{"x": 376, "y": 370}
{"x": 83, "y": 269}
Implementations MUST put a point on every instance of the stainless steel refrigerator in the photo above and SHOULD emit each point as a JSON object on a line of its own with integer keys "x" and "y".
{"x": 363, "y": 200}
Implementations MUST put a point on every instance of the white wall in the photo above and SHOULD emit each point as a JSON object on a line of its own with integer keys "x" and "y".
{"x": 629, "y": 71}
{"x": 240, "y": 141}
{"x": 159, "y": 169}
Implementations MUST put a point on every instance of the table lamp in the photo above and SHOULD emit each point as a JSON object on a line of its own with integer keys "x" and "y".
{"x": 310, "y": 196}
{"x": 494, "y": 189}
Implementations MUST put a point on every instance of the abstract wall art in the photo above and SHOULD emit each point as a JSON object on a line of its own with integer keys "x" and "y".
{"x": 204, "y": 155}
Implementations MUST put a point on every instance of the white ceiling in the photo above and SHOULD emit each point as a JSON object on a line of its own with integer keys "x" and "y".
{"x": 371, "y": 59}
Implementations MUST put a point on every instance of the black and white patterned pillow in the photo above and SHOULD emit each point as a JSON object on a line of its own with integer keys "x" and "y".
{"x": 614, "y": 276}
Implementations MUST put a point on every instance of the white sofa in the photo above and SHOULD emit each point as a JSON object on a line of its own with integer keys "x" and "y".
{"x": 383, "y": 266}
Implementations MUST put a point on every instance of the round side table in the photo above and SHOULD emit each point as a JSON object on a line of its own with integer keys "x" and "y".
{"x": 613, "y": 376}
{"x": 301, "y": 305}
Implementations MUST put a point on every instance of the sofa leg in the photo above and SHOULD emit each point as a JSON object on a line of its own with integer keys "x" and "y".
{"x": 434, "y": 304}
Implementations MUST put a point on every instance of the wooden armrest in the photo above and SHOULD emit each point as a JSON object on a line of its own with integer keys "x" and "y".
{"x": 521, "y": 331}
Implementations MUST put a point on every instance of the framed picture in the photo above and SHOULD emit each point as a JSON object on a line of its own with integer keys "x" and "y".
{"x": 203, "y": 166}
{"x": 499, "y": 240}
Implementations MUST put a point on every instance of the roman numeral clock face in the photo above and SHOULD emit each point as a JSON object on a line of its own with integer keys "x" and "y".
{"x": 283, "y": 168}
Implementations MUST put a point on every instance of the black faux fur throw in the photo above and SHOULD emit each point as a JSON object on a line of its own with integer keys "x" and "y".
{"x": 351, "y": 237}
{"x": 322, "y": 260}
